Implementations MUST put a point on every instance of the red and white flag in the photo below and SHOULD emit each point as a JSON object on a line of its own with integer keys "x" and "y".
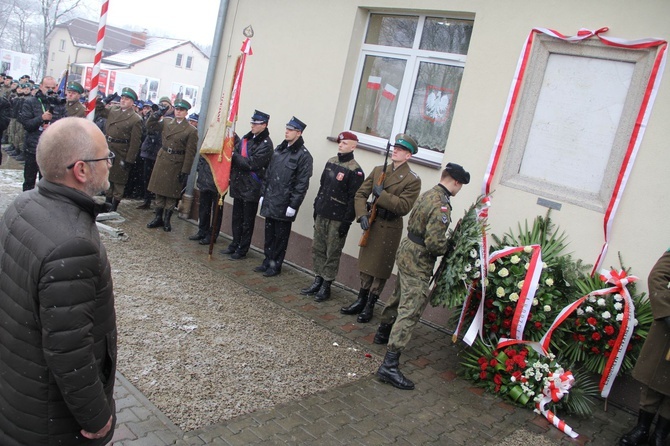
{"x": 389, "y": 92}
{"x": 374, "y": 82}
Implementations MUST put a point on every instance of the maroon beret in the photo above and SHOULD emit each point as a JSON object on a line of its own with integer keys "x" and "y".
{"x": 348, "y": 136}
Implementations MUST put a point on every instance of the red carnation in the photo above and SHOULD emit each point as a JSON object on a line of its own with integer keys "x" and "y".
{"x": 497, "y": 378}
{"x": 492, "y": 316}
{"x": 482, "y": 360}
{"x": 488, "y": 303}
{"x": 609, "y": 330}
{"x": 595, "y": 350}
{"x": 538, "y": 325}
{"x": 495, "y": 328}
{"x": 596, "y": 336}
{"x": 507, "y": 323}
{"x": 592, "y": 321}
{"x": 493, "y": 362}
{"x": 582, "y": 338}
{"x": 482, "y": 375}
{"x": 483, "y": 366}
{"x": 517, "y": 375}
{"x": 508, "y": 311}
{"x": 611, "y": 342}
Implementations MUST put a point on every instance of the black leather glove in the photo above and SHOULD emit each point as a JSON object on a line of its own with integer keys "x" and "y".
{"x": 365, "y": 222}
{"x": 377, "y": 190}
{"x": 183, "y": 177}
{"x": 343, "y": 230}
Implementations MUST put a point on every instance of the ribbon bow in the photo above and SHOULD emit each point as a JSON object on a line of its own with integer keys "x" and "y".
{"x": 617, "y": 278}
{"x": 557, "y": 387}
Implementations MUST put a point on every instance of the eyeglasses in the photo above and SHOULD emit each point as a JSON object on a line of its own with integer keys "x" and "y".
{"x": 109, "y": 159}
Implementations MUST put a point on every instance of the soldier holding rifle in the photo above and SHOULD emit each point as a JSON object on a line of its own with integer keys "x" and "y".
{"x": 394, "y": 188}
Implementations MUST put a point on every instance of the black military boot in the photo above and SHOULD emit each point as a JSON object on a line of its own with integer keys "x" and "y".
{"x": 388, "y": 372}
{"x": 383, "y": 333}
{"x": 640, "y": 433}
{"x": 314, "y": 287}
{"x": 145, "y": 205}
{"x": 198, "y": 235}
{"x": 324, "y": 291}
{"x": 661, "y": 432}
{"x": 115, "y": 204}
{"x": 158, "y": 219}
{"x": 358, "y": 305}
{"x": 167, "y": 227}
{"x": 366, "y": 314}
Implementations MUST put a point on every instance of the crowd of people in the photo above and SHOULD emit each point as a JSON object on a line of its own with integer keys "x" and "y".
{"x": 154, "y": 146}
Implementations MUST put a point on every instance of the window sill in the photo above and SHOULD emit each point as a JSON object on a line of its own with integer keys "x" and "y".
{"x": 382, "y": 151}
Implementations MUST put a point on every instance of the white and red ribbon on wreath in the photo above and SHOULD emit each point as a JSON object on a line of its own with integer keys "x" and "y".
{"x": 619, "y": 279}
{"x": 558, "y": 386}
{"x": 641, "y": 120}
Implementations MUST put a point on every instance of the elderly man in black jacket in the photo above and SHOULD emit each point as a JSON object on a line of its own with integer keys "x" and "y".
{"x": 250, "y": 160}
{"x": 282, "y": 193}
{"x": 58, "y": 336}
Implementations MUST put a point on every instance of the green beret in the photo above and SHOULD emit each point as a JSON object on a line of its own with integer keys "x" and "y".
{"x": 404, "y": 141}
{"x": 181, "y": 103}
{"x": 130, "y": 93}
{"x": 76, "y": 87}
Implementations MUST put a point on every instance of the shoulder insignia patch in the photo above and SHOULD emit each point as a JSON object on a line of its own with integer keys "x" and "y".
{"x": 445, "y": 219}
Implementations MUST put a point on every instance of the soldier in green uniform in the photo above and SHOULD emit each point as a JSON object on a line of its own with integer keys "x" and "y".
{"x": 652, "y": 368}
{"x": 123, "y": 130}
{"x": 394, "y": 198}
{"x": 73, "y": 107}
{"x": 426, "y": 240}
{"x": 333, "y": 214}
{"x": 174, "y": 160}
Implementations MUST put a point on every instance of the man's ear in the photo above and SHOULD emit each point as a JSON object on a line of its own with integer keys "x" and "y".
{"x": 79, "y": 171}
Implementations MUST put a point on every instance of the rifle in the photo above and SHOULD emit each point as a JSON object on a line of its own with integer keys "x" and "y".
{"x": 373, "y": 208}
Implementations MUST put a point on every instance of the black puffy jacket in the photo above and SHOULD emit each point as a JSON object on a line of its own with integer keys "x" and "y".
{"x": 247, "y": 174}
{"x": 286, "y": 180}
{"x": 57, "y": 321}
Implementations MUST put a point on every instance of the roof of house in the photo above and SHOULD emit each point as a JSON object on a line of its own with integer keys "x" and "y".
{"x": 84, "y": 33}
{"x": 153, "y": 47}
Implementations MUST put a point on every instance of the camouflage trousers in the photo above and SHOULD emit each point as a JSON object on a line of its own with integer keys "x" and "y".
{"x": 19, "y": 137}
{"x": 405, "y": 306}
{"x": 327, "y": 247}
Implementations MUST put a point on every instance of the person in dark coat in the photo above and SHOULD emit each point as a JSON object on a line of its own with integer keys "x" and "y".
{"x": 35, "y": 116}
{"x": 251, "y": 158}
{"x": 123, "y": 129}
{"x": 5, "y": 113}
{"x": 286, "y": 183}
{"x": 173, "y": 163}
{"x": 333, "y": 214}
{"x": 58, "y": 337}
{"x": 652, "y": 368}
{"x": 395, "y": 199}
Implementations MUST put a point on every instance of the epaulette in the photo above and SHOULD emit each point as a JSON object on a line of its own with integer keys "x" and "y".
{"x": 414, "y": 173}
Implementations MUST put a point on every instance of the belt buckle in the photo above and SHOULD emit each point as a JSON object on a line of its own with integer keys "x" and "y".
{"x": 169, "y": 150}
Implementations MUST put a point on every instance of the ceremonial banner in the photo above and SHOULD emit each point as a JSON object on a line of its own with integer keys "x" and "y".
{"x": 217, "y": 146}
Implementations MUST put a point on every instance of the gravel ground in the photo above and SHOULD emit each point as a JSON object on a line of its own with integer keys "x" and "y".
{"x": 203, "y": 349}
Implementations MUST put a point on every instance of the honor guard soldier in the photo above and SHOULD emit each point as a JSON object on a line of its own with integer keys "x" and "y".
{"x": 173, "y": 163}
{"x": 73, "y": 106}
{"x": 333, "y": 214}
{"x": 394, "y": 198}
{"x": 123, "y": 130}
{"x": 426, "y": 240}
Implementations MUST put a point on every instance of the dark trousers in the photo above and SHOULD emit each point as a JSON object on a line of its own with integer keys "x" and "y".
{"x": 30, "y": 171}
{"x": 147, "y": 169}
{"x": 277, "y": 233}
{"x": 209, "y": 204}
{"x": 244, "y": 219}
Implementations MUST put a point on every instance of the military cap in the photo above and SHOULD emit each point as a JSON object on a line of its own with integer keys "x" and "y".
{"x": 260, "y": 118}
{"x": 296, "y": 124}
{"x": 348, "y": 136}
{"x": 194, "y": 117}
{"x": 404, "y": 141}
{"x": 129, "y": 93}
{"x": 457, "y": 172}
{"x": 182, "y": 103}
{"x": 165, "y": 99}
{"x": 147, "y": 103}
{"x": 15, "y": 82}
{"x": 76, "y": 87}
{"x": 7, "y": 76}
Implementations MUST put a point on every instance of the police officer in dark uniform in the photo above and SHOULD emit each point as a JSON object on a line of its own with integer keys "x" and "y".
{"x": 250, "y": 160}
{"x": 73, "y": 106}
{"x": 333, "y": 214}
{"x": 123, "y": 130}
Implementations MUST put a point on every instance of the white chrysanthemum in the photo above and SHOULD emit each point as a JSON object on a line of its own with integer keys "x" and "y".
{"x": 468, "y": 268}
{"x": 515, "y": 259}
{"x": 492, "y": 267}
{"x": 580, "y": 312}
{"x": 463, "y": 277}
{"x": 591, "y": 298}
{"x": 601, "y": 302}
{"x": 547, "y": 308}
{"x": 527, "y": 249}
{"x": 513, "y": 297}
{"x": 500, "y": 292}
{"x": 478, "y": 263}
{"x": 513, "y": 379}
{"x": 619, "y": 317}
{"x": 549, "y": 282}
{"x": 503, "y": 272}
{"x": 535, "y": 302}
{"x": 476, "y": 275}
{"x": 589, "y": 309}
{"x": 618, "y": 306}
{"x": 544, "y": 265}
{"x": 606, "y": 315}
{"x": 520, "y": 284}
{"x": 473, "y": 253}
{"x": 618, "y": 297}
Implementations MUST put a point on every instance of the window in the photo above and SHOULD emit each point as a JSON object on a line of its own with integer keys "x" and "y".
{"x": 179, "y": 58}
{"x": 409, "y": 75}
{"x": 576, "y": 114}
{"x": 62, "y": 45}
{"x": 189, "y": 62}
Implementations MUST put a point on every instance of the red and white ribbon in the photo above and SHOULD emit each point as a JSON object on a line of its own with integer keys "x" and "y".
{"x": 619, "y": 279}
{"x": 558, "y": 386}
{"x": 640, "y": 122}
{"x": 97, "y": 61}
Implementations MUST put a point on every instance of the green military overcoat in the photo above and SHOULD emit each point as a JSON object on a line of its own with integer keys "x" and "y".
{"x": 651, "y": 367}
{"x": 401, "y": 189}
{"x": 179, "y": 146}
{"x": 123, "y": 125}
{"x": 75, "y": 109}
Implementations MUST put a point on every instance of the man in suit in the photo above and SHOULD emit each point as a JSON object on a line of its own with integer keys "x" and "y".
{"x": 123, "y": 130}
{"x": 395, "y": 197}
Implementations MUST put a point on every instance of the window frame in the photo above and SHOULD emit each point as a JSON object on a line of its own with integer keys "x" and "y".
{"x": 189, "y": 63}
{"x": 179, "y": 60}
{"x": 413, "y": 57}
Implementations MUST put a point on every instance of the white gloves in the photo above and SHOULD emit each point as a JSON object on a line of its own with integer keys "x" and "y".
{"x": 260, "y": 203}
{"x": 290, "y": 212}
